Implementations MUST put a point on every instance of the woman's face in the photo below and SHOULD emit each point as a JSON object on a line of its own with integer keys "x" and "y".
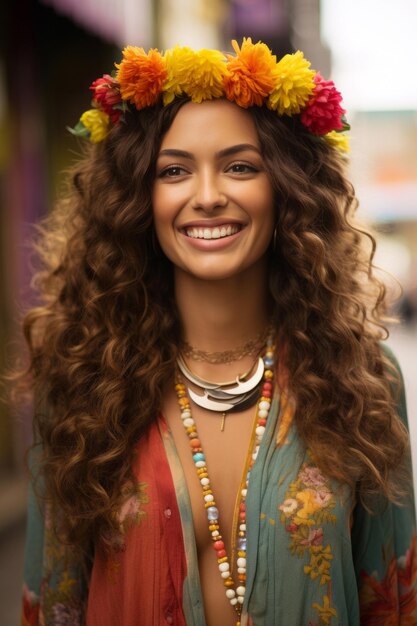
{"x": 212, "y": 200}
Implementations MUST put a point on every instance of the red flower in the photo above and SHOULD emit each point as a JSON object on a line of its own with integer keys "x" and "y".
{"x": 30, "y": 609}
{"x": 106, "y": 95}
{"x": 407, "y": 578}
{"x": 393, "y": 599}
{"x": 291, "y": 528}
{"x": 323, "y": 112}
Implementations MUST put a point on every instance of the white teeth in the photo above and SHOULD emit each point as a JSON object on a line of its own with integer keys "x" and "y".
{"x": 212, "y": 233}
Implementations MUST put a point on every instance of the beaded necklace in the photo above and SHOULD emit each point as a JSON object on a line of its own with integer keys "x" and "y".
{"x": 234, "y": 592}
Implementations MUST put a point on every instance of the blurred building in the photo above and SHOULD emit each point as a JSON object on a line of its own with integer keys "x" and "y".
{"x": 384, "y": 171}
{"x": 46, "y": 62}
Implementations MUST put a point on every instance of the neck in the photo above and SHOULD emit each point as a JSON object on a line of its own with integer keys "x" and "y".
{"x": 221, "y": 315}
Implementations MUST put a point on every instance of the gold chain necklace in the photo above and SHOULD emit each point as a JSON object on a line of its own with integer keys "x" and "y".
{"x": 250, "y": 348}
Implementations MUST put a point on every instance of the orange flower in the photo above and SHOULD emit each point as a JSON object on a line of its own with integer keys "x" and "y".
{"x": 141, "y": 76}
{"x": 393, "y": 599}
{"x": 250, "y": 75}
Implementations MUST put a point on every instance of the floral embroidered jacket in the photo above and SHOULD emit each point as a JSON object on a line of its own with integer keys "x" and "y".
{"x": 314, "y": 556}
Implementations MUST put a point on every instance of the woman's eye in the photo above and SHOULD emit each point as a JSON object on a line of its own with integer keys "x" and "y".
{"x": 172, "y": 172}
{"x": 242, "y": 168}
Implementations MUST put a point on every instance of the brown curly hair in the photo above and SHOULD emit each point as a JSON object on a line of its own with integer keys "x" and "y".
{"x": 104, "y": 342}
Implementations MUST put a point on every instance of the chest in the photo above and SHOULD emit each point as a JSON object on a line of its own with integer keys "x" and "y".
{"x": 226, "y": 452}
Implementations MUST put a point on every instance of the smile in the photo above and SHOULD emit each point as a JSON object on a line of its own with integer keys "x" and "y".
{"x": 217, "y": 232}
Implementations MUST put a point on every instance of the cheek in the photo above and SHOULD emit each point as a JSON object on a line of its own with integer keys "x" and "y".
{"x": 265, "y": 206}
{"x": 163, "y": 219}
{"x": 167, "y": 201}
{"x": 161, "y": 210}
{"x": 260, "y": 196}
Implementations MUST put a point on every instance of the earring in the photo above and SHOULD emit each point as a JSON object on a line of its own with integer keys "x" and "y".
{"x": 275, "y": 239}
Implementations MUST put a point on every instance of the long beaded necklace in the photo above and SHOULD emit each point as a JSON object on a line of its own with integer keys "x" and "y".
{"x": 234, "y": 592}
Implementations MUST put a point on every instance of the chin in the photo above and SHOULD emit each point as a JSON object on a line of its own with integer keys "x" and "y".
{"x": 218, "y": 273}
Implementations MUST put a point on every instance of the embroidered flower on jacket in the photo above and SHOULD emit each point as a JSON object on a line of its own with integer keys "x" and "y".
{"x": 315, "y": 537}
{"x": 65, "y": 615}
{"x": 131, "y": 510}
{"x": 30, "y": 608}
{"x": 393, "y": 598}
{"x": 312, "y": 476}
{"x": 305, "y": 512}
{"x": 289, "y": 505}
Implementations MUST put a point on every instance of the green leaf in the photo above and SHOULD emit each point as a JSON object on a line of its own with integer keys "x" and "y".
{"x": 346, "y": 125}
{"x": 79, "y": 130}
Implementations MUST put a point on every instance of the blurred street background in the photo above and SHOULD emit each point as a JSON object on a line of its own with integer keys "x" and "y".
{"x": 51, "y": 50}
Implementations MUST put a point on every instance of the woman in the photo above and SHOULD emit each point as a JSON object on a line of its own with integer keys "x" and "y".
{"x": 220, "y": 435}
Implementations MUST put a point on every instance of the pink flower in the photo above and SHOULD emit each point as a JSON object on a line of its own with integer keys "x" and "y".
{"x": 107, "y": 95}
{"x": 323, "y": 498}
{"x": 312, "y": 476}
{"x": 323, "y": 112}
{"x": 66, "y": 615}
{"x": 129, "y": 509}
{"x": 315, "y": 537}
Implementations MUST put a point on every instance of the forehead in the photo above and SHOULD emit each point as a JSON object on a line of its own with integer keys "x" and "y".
{"x": 211, "y": 122}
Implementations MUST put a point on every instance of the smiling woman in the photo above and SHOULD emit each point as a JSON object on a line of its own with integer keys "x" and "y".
{"x": 220, "y": 435}
{"x": 213, "y": 196}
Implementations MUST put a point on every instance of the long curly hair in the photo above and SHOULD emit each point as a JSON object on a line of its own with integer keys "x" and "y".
{"x": 103, "y": 344}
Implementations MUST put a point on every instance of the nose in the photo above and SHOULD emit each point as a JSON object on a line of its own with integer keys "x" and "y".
{"x": 208, "y": 193}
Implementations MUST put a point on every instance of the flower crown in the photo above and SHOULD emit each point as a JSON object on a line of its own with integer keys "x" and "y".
{"x": 251, "y": 77}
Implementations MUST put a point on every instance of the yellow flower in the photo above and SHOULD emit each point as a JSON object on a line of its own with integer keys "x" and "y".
{"x": 97, "y": 123}
{"x": 340, "y": 141}
{"x": 310, "y": 503}
{"x": 326, "y": 612}
{"x": 199, "y": 75}
{"x": 178, "y": 62}
{"x": 294, "y": 84}
{"x": 66, "y": 584}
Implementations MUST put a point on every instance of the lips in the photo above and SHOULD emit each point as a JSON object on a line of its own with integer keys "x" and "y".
{"x": 214, "y": 232}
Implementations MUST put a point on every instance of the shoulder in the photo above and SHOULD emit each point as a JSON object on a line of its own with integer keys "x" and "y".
{"x": 388, "y": 352}
{"x": 395, "y": 378}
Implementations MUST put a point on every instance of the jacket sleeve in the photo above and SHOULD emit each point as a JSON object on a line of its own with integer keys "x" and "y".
{"x": 384, "y": 549}
{"x": 54, "y": 586}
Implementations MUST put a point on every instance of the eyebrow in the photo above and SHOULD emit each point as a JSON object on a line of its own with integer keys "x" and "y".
{"x": 241, "y": 147}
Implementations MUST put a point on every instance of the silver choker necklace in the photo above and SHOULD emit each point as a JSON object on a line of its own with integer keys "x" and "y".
{"x": 231, "y": 396}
